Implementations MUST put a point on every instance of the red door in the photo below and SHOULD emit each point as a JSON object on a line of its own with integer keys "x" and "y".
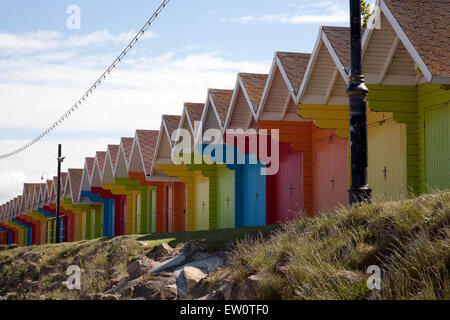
{"x": 285, "y": 189}
{"x": 169, "y": 216}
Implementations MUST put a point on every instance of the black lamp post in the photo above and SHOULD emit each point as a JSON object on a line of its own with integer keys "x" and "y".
{"x": 58, "y": 190}
{"x": 357, "y": 91}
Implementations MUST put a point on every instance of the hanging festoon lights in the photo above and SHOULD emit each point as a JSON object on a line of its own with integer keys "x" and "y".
{"x": 89, "y": 91}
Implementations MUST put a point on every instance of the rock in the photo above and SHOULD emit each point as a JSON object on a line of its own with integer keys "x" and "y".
{"x": 33, "y": 272}
{"x": 206, "y": 266}
{"x": 11, "y": 296}
{"x": 200, "y": 256}
{"x": 171, "y": 263}
{"x": 154, "y": 290}
{"x": 252, "y": 283}
{"x": 139, "y": 267}
{"x": 193, "y": 246}
{"x": 29, "y": 286}
{"x": 193, "y": 276}
{"x": 348, "y": 276}
{"x": 161, "y": 251}
{"x": 228, "y": 291}
{"x": 102, "y": 296}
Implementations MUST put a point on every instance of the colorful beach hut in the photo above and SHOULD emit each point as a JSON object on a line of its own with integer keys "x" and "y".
{"x": 405, "y": 63}
{"x": 290, "y": 191}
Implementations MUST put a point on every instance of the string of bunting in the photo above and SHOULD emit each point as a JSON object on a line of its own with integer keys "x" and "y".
{"x": 96, "y": 84}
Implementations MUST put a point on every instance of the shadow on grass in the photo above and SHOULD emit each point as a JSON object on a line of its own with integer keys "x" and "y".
{"x": 214, "y": 238}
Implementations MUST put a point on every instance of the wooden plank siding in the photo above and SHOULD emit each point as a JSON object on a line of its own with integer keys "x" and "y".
{"x": 299, "y": 134}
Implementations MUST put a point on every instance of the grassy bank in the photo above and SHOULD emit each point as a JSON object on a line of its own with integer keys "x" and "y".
{"x": 327, "y": 257}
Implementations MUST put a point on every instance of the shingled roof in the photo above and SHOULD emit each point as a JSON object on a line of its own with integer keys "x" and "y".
{"x": 221, "y": 99}
{"x": 254, "y": 84}
{"x": 425, "y": 23}
{"x": 101, "y": 156}
{"x": 147, "y": 142}
{"x": 172, "y": 123}
{"x": 339, "y": 38}
{"x": 75, "y": 181}
{"x": 127, "y": 144}
{"x": 90, "y": 165}
{"x": 194, "y": 110}
{"x": 113, "y": 150}
{"x": 294, "y": 64}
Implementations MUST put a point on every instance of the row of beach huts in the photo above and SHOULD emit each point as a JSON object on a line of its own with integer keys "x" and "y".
{"x": 284, "y": 144}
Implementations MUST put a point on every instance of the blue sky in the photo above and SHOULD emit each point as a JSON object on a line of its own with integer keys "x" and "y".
{"x": 194, "y": 45}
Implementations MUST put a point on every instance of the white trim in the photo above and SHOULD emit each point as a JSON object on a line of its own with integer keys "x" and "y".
{"x": 311, "y": 63}
{"x": 334, "y": 56}
{"x": 266, "y": 91}
{"x": 232, "y": 102}
{"x": 388, "y": 61}
{"x": 158, "y": 142}
{"x": 440, "y": 79}
{"x": 285, "y": 107}
{"x": 133, "y": 148}
{"x": 406, "y": 42}
{"x": 286, "y": 78}
{"x": 247, "y": 97}
{"x": 202, "y": 118}
{"x": 213, "y": 105}
{"x": 330, "y": 86}
{"x": 162, "y": 179}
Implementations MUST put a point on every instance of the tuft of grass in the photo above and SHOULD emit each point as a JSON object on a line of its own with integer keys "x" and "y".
{"x": 327, "y": 257}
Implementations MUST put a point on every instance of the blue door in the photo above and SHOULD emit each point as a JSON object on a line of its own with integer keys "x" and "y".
{"x": 254, "y": 192}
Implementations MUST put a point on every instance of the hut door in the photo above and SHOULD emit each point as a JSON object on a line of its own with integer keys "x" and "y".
{"x": 92, "y": 234}
{"x": 153, "y": 206}
{"x": 288, "y": 185}
{"x": 437, "y": 148}
{"x": 202, "y": 184}
{"x": 138, "y": 212}
{"x": 169, "y": 217}
{"x": 331, "y": 173}
{"x": 83, "y": 225}
{"x": 254, "y": 186}
{"x": 387, "y": 159}
{"x": 225, "y": 197}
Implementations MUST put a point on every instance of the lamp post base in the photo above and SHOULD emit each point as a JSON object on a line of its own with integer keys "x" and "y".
{"x": 356, "y": 195}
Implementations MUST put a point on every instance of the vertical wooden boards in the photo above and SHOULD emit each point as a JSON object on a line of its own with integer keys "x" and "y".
{"x": 331, "y": 170}
{"x": 437, "y": 147}
{"x": 284, "y": 191}
{"x": 202, "y": 201}
{"x": 434, "y": 153}
{"x": 387, "y": 159}
{"x": 225, "y": 198}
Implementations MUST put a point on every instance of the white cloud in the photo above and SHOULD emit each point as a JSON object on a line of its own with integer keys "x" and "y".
{"x": 38, "y": 88}
{"x": 11, "y": 184}
{"x": 316, "y": 12}
{"x": 39, "y": 41}
{"x": 29, "y": 166}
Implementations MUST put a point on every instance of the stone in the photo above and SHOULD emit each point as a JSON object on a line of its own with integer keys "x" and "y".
{"x": 33, "y": 272}
{"x": 11, "y": 296}
{"x": 171, "y": 263}
{"x": 252, "y": 283}
{"x": 140, "y": 267}
{"x": 161, "y": 251}
{"x": 348, "y": 276}
{"x": 102, "y": 296}
{"x": 154, "y": 290}
{"x": 194, "y": 246}
{"x": 193, "y": 276}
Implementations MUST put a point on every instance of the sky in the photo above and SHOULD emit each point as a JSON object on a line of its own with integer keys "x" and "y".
{"x": 45, "y": 67}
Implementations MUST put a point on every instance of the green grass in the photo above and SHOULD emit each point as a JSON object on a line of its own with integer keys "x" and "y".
{"x": 102, "y": 261}
{"x": 214, "y": 238}
{"x": 408, "y": 240}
